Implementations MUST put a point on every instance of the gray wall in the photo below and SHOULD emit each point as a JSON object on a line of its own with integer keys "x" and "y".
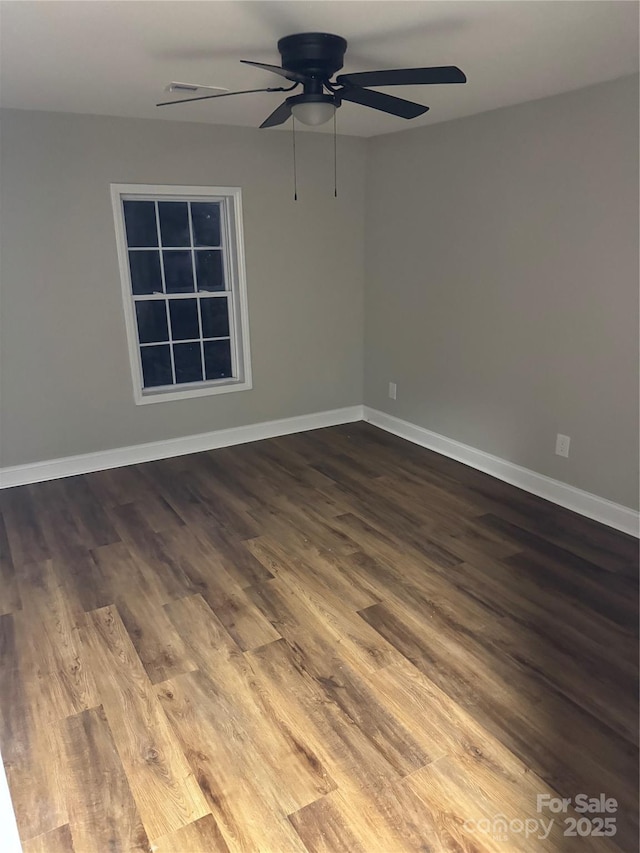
{"x": 65, "y": 382}
{"x": 502, "y": 283}
{"x": 501, "y": 271}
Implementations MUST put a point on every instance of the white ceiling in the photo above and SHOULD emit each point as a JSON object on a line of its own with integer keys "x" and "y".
{"x": 115, "y": 58}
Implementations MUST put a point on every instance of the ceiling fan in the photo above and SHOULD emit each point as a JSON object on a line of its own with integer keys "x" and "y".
{"x": 311, "y": 59}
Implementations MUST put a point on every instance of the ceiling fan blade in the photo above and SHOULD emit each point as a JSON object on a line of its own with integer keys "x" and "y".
{"x": 380, "y": 101}
{"x": 279, "y": 115}
{"x": 283, "y": 72}
{"x": 176, "y": 86}
{"x": 404, "y": 77}
{"x": 226, "y": 95}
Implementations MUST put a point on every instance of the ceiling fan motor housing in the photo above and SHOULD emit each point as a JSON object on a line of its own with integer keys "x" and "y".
{"x": 316, "y": 54}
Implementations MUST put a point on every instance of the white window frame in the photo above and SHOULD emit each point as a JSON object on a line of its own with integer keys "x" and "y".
{"x": 230, "y": 199}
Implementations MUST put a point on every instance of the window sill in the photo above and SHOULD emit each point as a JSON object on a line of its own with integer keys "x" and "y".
{"x": 171, "y": 394}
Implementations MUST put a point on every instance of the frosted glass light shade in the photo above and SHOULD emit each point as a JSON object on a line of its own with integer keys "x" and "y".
{"x": 314, "y": 112}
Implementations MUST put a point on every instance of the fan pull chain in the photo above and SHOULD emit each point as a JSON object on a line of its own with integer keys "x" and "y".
{"x": 335, "y": 156}
{"x": 295, "y": 171}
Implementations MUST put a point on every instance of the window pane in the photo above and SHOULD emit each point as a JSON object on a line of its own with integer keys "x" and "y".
{"x": 156, "y": 366}
{"x": 209, "y": 269}
{"x": 145, "y": 272}
{"x": 215, "y": 317}
{"x": 205, "y": 216}
{"x": 174, "y": 223}
{"x": 140, "y": 223}
{"x": 178, "y": 272}
{"x": 184, "y": 319}
{"x": 217, "y": 359}
{"x": 188, "y": 363}
{"x": 152, "y": 321}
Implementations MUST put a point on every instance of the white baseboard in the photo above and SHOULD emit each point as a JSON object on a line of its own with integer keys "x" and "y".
{"x": 53, "y": 469}
{"x": 609, "y": 513}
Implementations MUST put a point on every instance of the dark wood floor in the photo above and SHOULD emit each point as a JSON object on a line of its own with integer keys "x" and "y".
{"x": 334, "y": 641}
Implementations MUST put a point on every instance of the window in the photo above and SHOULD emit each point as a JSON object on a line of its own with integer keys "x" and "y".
{"x": 184, "y": 290}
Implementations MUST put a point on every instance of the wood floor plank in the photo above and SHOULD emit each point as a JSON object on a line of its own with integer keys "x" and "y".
{"x": 50, "y": 625}
{"x": 29, "y": 739}
{"x": 394, "y": 550}
{"x": 37, "y": 780}
{"x": 64, "y": 536}
{"x": 271, "y": 746}
{"x": 323, "y": 570}
{"x": 159, "y": 568}
{"x": 380, "y": 507}
{"x": 361, "y": 808}
{"x": 538, "y": 656}
{"x": 120, "y": 486}
{"x": 157, "y": 513}
{"x": 24, "y": 532}
{"x": 524, "y": 595}
{"x": 50, "y": 592}
{"x": 287, "y": 517}
{"x": 467, "y": 539}
{"x": 89, "y": 513}
{"x": 139, "y": 601}
{"x": 161, "y": 781}
{"x": 494, "y": 779}
{"x": 324, "y": 829}
{"x": 169, "y": 479}
{"x": 351, "y": 755}
{"x": 561, "y": 558}
{"x": 234, "y": 556}
{"x": 295, "y": 610}
{"x": 201, "y": 836}
{"x": 492, "y": 813}
{"x": 608, "y": 548}
{"x": 523, "y": 592}
{"x": 240, "y": 476}
{"x": 385, "y": 816}
{"x": 247, "y": 813}
{"x": 58, "y": 840}
{"x": 12, "y": 684}
{"x": 541, "y": 728}
{"x": 279, "y": 460}
{"x": 211, "y": 504}
{"x": 9, "y": 593}
{"x": 262, "y": 480}
{"x": 544, "y": 643}
{"x": 223, "y": 593}
{"x": 102, "y": 813}
{"x": 615, "y": 605}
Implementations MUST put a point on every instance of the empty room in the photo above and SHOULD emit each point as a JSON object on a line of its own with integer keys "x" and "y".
{"x": 319, "y": 426}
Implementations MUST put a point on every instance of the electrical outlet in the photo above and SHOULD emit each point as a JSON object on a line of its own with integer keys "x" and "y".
{"x": 393, "y": 390}
{"x": 562, "y": 445}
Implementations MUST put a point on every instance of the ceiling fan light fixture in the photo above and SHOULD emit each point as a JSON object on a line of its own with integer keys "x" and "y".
{"x": 313, "y": 110}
